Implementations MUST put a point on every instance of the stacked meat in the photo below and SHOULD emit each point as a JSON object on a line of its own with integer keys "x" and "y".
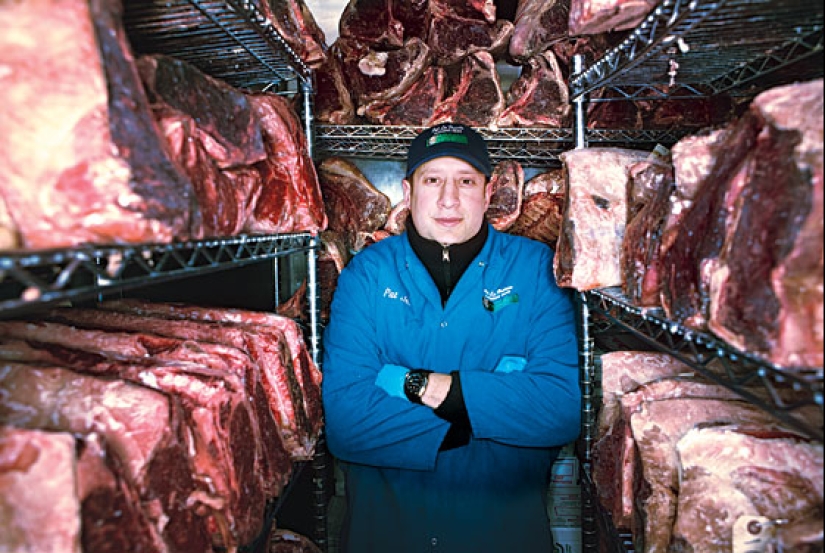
{"x": 98, "y": 147}
{"x": 195, "y": 414}
{"x": 726, "y": 236}
{"x": 680, "y": 461}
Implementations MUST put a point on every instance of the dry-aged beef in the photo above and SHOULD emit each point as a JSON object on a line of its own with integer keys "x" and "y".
{"x": 458, "y": 30}
{"x": 372, "y": 22}
{"x": 290, "y": 199}
{"x": 333, "y": 101}
{"x": 81, "y": 156}
{"x": 687, "y": 248}
{"x": 306, "y": 372}
{"x": 538, "y": 97}
{"x": 297, "y": 26}
{"x": 332, "y": 258}
{"x": 416, "y": 106}
{"x": 592, "y": 17}
{"x": 141, "y": 426}
{"x": 287, "y": 541}
{"x": 766, "y": 287}
{"x": 397, "y": 220}
{"x": 226, "y": 123}
{"x": 226, "y": 463}
{"x": 507, "y": 185}
{"x": 9, "y": 235}
{"x": 641, "y": 274}
{"x": 538, "y": 24}
{"x": 380, "y": 75}
{"x": 353, "y": 204}
{"x": 476, "y": 98}
{"x": 38, "y": 491}
{"x": 728, "y": 473}
{"x": 589, "y": 246}
{"x": 542, "y": 208}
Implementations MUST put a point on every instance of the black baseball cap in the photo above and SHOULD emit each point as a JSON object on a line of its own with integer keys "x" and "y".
{"x": 449, "y": 140}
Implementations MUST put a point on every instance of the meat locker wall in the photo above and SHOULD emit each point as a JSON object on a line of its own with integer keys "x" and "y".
{"x": 625, "y": 98}
{"x": 159, "y": 272}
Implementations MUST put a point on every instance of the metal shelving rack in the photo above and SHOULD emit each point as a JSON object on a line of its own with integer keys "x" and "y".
{"x": 233, "y": 41}
{"x": 691, "y": 49}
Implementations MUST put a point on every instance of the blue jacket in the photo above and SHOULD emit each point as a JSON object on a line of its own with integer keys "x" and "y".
{"x": 510, "y": 331}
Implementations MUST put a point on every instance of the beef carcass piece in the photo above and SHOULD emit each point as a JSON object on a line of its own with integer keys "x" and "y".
{"x": 397, "y": 220}
{"x": 457, "y": 30}
{"x": 507, "y": 184}
{"x": 9, "y": 235}
{"x": 372, "y": 22}
{"x": 353, "y": 204}
{"x": 297, "y": 26}
{"x": 415, "y": 107}
{"x": 694, "y": 113}
{"x": 227, "y": 125}
{"x": 592, "y": 17}
{"x": 333, "y": 99}
{"x": 306, "y": 372}
{"x": 380, "y": 75}
{"x": 332, "y": 258}
{"x": 291, "y": 199}
{"x": 81, "y": 156}
{"x": 641, "y": 274}
{"x": 38, "y": 491}
{"x": 766, "y": 288}
{"x": 476, "y": 98}
{"x": 226, "y": 463}
{"x": 287, "y": 541}
{"x": 226, "y": 198}
{"x": 112, "y": 517}
{"x": 590, "y": 243}
{"x": 728, "y": 473}
{"x": 538, "y": 24}
{"x": 687, "y": 248}
{"x": 542, "y": 208}
{"x": 272, "y": 401}
{"x": 538, "y": 97}
{"x": 140, "y": 426}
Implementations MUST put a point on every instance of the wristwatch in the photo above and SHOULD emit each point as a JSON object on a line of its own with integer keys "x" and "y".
{"x": 415, "y": 384}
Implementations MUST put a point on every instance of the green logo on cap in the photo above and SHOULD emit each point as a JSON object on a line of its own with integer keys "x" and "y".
{"x": 447, "y": 137}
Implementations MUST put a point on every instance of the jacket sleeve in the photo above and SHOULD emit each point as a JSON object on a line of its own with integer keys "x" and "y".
{"x": 364, "y": 424}
{"x": 540, "y": 404}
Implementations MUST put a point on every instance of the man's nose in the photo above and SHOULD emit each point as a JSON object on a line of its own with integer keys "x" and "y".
{"x": 449, "y": 195}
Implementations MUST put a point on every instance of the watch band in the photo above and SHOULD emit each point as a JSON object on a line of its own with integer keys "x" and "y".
{"x": 415, "y": 384}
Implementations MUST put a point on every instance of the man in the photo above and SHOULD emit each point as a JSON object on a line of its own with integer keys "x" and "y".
{"x": 450, "y": 370}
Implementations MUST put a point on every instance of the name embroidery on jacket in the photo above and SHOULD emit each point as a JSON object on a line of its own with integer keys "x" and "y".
{"x": 494, "y": 300}
{"x": 393, "y": 295}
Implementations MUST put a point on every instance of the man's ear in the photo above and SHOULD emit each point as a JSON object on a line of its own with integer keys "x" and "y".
{"x": 406, "y": 185}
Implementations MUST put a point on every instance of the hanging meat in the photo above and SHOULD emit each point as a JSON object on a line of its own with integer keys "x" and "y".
{"x": 538, "y": 97}
{"x": 538, "y": 24}
{"x": 475, "y": 97}
{"x": 507, "y": 185}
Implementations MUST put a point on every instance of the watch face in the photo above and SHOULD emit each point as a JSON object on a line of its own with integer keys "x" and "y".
{"x": 416, "y": 382}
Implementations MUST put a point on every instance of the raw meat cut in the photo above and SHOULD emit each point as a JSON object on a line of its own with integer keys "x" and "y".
{"x": 332, "y": 257}
{"x": 226, "y": 198}
{"x": 353, "y": 204}
{"x": 305, "y": 370}
{"x": 641, "y": 274}
{"x": 542, "y": 208}
{"x": 291, "y": 199}
{"x": 538, "y": 97}
{"x": 112, "y": 517}
{"x": 397, "y": 220}
{"x": 268, "y": 396}
{"x": 9, "y": 235}
{"x": 415, "y": 107}
{"x": 226, "y": 124}
{"x": 38, "y": 491}
{"x": 372, "y": 22}
{"x": 226, "y": 463}
{"x": 538, "y": 24}
{"x": 592, "y": 17}
{"x": 727, "y": 473}
{"x": 333, "y": 102}
{"x": 766, "y": 288}
{"x": 476, "y": 98}
{"x": 81, "y": 158}
{"x": 456, "y": 33}
{"x": 379, "y": 75}
{"x": 590, "y": 243}
{"x": 287, "y": 541}
{"x": 507, "y": 185}
{"x": 699, "y": 235}
{"x": 297, "y": 26}
{"x": 141, "y": 426}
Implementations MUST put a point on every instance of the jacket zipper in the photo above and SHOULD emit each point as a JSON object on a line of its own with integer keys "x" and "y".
{"x": 445, "y": 263}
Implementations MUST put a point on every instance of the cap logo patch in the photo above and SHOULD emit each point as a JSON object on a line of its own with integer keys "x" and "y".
{"x": 447, "y": 137}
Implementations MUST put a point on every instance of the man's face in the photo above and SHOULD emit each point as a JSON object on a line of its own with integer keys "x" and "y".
{"x": 447, "y": 198}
